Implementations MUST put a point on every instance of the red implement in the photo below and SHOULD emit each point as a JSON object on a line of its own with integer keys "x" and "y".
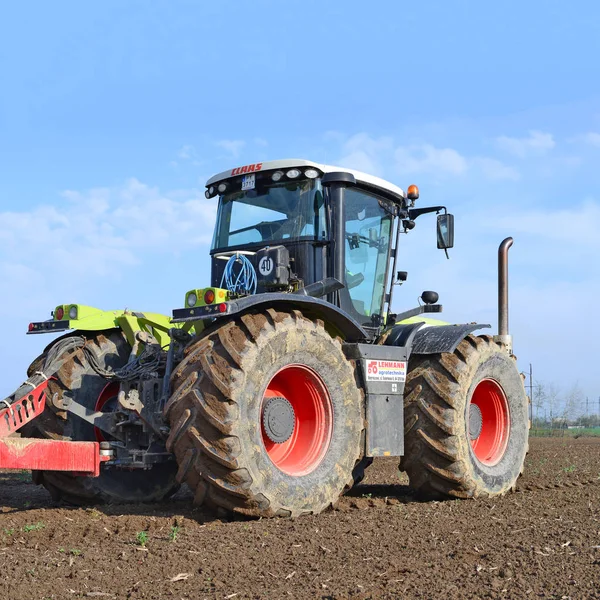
{"x": 22, "y": 411}
{"x": 51, "y": 455}
{"x": 42, "y": 455}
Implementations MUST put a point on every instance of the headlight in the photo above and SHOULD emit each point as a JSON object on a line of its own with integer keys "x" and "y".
{"x": 293, "y": 173}
{"x": 277, "y": 175}
{"x": 73, "y": 312}
{"x": 192, "y": 299}
{"x": 311, "y": 173}
{"x": 222, "y": 187}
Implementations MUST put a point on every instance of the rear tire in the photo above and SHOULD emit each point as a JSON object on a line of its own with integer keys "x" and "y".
{"x": 77, "y": 378}
{"x": 218, "y": 412}
{"x": 466, "y": 422}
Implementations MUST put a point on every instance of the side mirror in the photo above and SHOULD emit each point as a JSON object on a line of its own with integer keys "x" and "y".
{"x": 445, "y": 231}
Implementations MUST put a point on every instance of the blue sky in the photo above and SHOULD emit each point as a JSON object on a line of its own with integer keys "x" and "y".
{"x": 113, "y": 115}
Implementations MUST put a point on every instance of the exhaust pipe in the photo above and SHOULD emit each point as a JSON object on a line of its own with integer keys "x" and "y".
{"x": 503, "y": 336}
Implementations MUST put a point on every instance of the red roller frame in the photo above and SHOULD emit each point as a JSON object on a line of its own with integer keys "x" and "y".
{"x": 22, "y": 411}
{"x": 42, "y": 455}
{"x": 51, "y": 455}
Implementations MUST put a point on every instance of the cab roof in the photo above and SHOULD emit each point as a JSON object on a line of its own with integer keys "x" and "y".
{"x": 290, "y": 163}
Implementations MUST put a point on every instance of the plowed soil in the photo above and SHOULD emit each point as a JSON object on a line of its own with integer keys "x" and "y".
{"x": 542, "y": 541}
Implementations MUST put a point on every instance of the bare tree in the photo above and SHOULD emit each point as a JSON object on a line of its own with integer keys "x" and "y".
{"x": 547, "y": 402}
{"x": 573, "y": 403}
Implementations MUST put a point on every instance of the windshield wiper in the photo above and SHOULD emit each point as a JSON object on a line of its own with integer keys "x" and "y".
{"x": 355, "y": 239}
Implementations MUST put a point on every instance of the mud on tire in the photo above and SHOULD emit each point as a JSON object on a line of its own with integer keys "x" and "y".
{"x": 216, "y": 407}
{"x": 439, "y": 457}
{"x": 77, "y": 378}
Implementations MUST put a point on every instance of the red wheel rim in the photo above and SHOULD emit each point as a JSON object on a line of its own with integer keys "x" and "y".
{"x": 108, "y": 394}
{"x": 313, "y": 426}
{"x": 490, "y": 443}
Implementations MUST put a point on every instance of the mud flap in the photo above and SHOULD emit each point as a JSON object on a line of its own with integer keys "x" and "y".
{"x": 383, "y": 370}
{"x": 442, "y": 338}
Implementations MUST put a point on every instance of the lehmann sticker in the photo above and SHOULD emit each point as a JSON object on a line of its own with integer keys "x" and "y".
{"x": 385, "y": 370}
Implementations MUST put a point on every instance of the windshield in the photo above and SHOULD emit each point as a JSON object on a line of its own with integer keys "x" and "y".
{"x": 271, "y": 212}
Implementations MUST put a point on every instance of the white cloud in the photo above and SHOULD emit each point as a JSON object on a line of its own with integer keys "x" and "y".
{"x": 537, "y": 143}
{"x": 554, "y": 279}
{"x": 186, "y": 154}
{"x": 591, "y": 137}
{"x": 494, "y": 169}
{"x": 102, "y": 231}
{"x": 363, "y": 152}
{"x": 568, "y": 229}
{"x": 426, "y": 158}
{"x": 234, "y": 147}
{"x": 383, "y": 157}
{"x": 107, "y": 247}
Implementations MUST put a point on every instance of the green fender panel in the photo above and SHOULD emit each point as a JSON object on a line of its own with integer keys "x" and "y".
{"x": 88, "y": 318}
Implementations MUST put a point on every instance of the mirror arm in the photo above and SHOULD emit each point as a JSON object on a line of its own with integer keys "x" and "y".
{"x": 413, "y": 213}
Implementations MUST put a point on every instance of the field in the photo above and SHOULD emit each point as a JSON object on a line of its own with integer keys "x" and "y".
{"x": 543, "y": 541}
{"x": 577, "y": 433}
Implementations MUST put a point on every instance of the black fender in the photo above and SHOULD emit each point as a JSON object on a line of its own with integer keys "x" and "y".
{"x": 421, "y": 339}
{"x": 314, "y": 308}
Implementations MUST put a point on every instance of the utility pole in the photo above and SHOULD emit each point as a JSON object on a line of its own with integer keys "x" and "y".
{"x": 531, "y": 391}
{"x": 587, "y": 402}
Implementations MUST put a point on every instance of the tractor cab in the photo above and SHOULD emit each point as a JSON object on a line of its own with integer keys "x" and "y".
{"x": 299, "y": 222}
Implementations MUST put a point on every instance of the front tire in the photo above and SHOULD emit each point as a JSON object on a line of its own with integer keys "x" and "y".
{"x": 266, "y": 416}
{"x": 466, "y": 422}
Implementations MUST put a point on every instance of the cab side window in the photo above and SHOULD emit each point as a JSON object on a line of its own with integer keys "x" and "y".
{"x": 368, "y": 228}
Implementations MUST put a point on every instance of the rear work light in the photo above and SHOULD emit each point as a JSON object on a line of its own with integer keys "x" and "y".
{"x": 73, "y": 312}
{"x": 209, "y": 297}
{"x": 192, "y": 299}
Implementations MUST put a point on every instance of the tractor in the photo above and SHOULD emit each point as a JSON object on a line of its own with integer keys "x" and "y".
{"x": 270, "y": 392}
